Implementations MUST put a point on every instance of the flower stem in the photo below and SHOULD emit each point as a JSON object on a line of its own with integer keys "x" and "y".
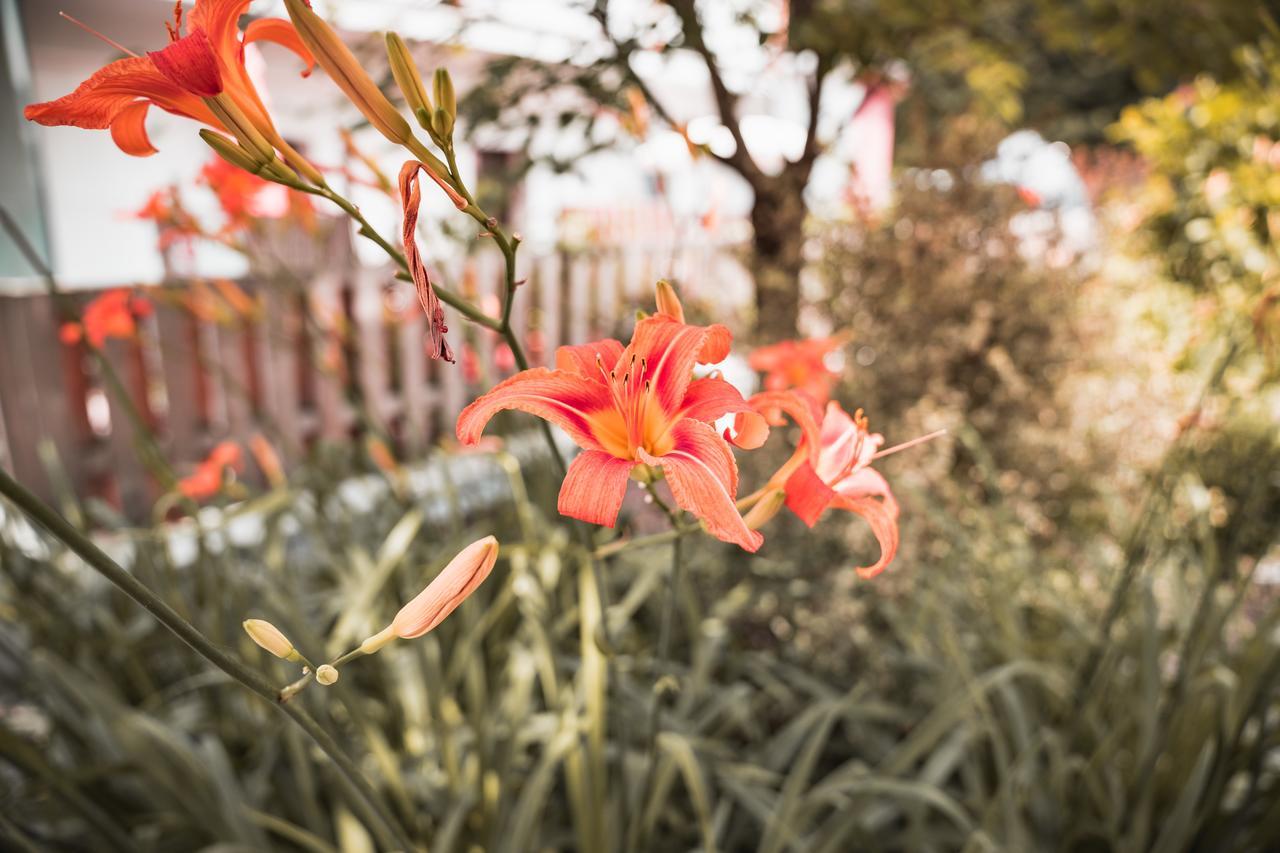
{"x": 635, "y": 841}
{"x": 380, "y": 819}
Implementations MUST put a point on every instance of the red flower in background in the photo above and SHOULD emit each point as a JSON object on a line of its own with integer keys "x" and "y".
{"x": 174, "y": 222}
{"x": 113, "y": 314}
{"x": 799, "y": 364}
{"x": 244, "y": 197}
{"x": 206, "y": 480}
{"x": 208, "y": 61}
{"x": 638, "y": 405}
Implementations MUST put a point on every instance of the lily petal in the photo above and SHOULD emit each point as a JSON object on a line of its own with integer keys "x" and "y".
{"x": 97, "y": 102}
{"x": 581, "y": 359}
{"x": 129, "y": 130}
{"x": 704, "y": 480}
{"x": 867, "y": 494}
{"x": 220, "y": 19}
{"x": 711, "y": 398}
{"x": 190, "y": 64}
{"x": 802, "y": 409}
{"x": 807, "y": 496}
{"x": 671, "y": 349}
{"x": 566, "y": 399}
{"x": 281, "y": 32}
{"x": 594, "y": 487}
{"x": 846, "y": 444}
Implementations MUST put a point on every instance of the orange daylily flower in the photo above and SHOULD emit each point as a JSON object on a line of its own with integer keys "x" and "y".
{"x": 799, "y": 364}
{"x": 114, "y": 314}
{"x": 173, "y": 221}
{"x": 206, "y": 480}
{"x": 830, "y": 468}
{"x": 637, "y": 406}
{"x": 205, "y": 63}
{"x": 244, "y": 197}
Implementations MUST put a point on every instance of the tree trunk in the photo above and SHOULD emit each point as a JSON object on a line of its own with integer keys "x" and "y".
{"x": 777, "y": 218}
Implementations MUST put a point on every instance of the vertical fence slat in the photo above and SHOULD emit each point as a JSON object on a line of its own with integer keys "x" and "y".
{"x": 127, "y": 466}
{"x": 278, "y": 370}
{"x": 233, "y": 376}
{"x": 330, "y": 367}
{"x": 488, "y": 272}
{"x": 179, "y": 340}
{"x": 20, "y": 394}
{"x": 413, "y": 382}
{"x": 606, "y": 292}
{"x": 578, "y": 299}
{"x": 366, "y": 310}
{"x": 549, "y": 301}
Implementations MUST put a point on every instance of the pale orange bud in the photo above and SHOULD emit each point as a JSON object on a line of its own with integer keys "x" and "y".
{"x": 270, "y": 638}
{"x": 344, "y": 69}
{"x": 442, "y": 596}
{"x": 668, "y": 302}
{"x": 326, "y": 674}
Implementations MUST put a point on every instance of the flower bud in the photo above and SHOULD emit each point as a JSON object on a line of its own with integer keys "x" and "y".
{"x": 445, "y": 98}
{"x": 326, "y": 674}
{"x": 241, "y": 127}
{"x": 669, "y": 302}
{"x": 270, "y": 638}
{"x": 407, "y": 77}
{"x": 765, "y": 509}
{"x": 345, "y": 70}
{"x": 442, "y": 596}
{"x": 442, "y": 123}
{"x": 231, "y": 151}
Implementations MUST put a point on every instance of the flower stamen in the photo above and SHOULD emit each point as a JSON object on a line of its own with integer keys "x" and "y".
{"x": 91, "y": 31}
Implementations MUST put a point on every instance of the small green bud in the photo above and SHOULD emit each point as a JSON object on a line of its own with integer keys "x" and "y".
{"x": 445, "y": 98}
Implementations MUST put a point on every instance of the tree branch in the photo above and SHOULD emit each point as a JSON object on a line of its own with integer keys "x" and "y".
{"x": 811, "y": 146}
{"x": 726, "y": 101}
{"x": 623, "y": 51}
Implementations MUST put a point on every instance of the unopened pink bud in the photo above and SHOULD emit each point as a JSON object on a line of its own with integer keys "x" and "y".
{"x": 442, "y": 596}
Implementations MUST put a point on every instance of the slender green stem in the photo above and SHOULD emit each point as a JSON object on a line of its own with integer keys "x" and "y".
{"x": 612, "y": 549}
{"x": 290, "y": 690}
{"x": 448, "y": 297}
{"x": 635, "y": 841}
{"x": 381, "y": 820}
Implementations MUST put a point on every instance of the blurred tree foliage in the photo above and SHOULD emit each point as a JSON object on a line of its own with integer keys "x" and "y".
{"x": 954, "y": 326}
{"x": 1068, "y": 68}
{"x": 1212, "y": 203}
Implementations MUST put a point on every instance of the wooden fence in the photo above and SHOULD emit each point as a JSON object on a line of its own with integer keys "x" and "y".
{"x": 328, "y": 360}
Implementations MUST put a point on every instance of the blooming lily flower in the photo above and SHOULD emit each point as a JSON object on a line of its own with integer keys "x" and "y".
{"x": 830, "y": 468}
{"x": 799, "y": 364}
{"x": 442, "y": 596}
{"x": 207, "y": 62}
{"x": 638, "y": 406}
{"x": 112, "y": 315}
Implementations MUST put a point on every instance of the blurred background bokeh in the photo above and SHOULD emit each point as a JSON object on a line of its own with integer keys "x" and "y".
{"x": 1048, "y": 228}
